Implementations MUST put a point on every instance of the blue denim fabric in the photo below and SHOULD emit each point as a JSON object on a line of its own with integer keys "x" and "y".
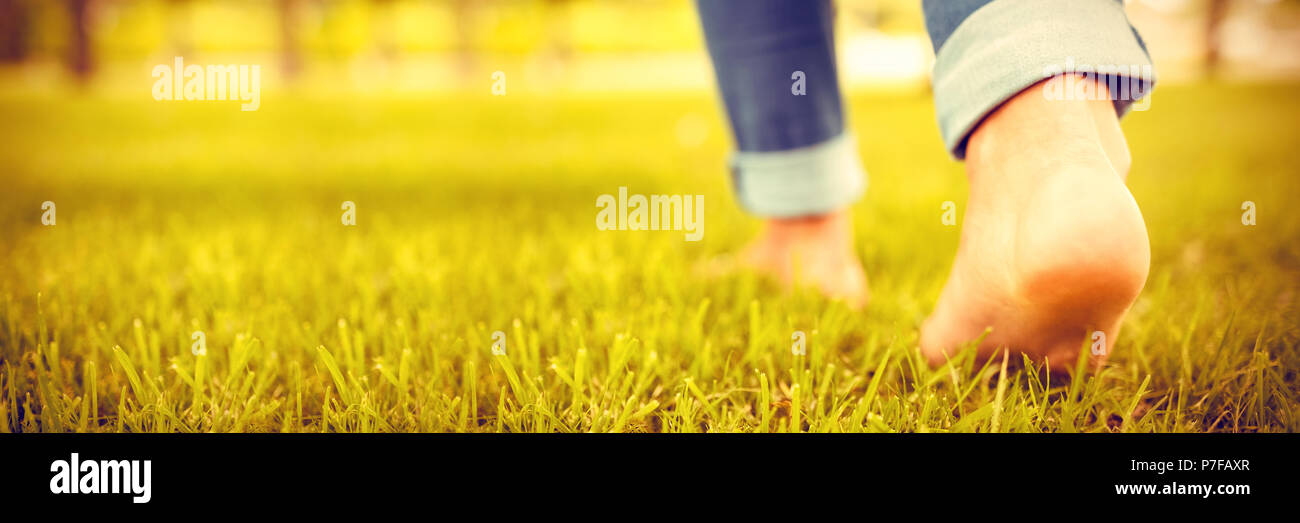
{"x": 756, "y": 46}
{"x": 987, "y": 51}
{"x": 943, "y": 16}
{"x": 775, "y": 65}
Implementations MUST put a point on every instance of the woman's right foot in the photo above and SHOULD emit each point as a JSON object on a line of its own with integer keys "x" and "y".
{"x": 1053, "y": 246}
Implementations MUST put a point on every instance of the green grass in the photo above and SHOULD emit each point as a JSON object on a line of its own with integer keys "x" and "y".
{"x": 476, "y": 215}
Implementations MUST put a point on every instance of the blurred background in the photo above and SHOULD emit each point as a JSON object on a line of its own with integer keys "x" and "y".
{"x": 417, "y": 46}
{"x": 475, "y": 212}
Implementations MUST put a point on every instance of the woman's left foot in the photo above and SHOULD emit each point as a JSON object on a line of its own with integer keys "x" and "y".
{"x": 815, "y": 250}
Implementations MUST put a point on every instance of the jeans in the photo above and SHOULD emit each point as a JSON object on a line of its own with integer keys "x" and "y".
{"x": 775, "y": 67}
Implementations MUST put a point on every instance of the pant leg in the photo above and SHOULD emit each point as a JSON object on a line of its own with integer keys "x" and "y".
{"x": 987, "y": 51}
{"x": 775, "y": 67}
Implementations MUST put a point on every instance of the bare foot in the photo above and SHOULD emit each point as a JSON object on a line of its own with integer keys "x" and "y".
{"x": 812, "y": 250}
{"x": 1053, "y": 246}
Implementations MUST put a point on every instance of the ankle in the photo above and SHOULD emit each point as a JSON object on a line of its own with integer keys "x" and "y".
{"x": 833, "y": 225}
{"x": 1031, "y": 133}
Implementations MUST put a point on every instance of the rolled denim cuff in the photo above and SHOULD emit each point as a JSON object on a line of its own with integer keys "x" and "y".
{"x": 1008, "y": 45}
{"x": 811, "y": 180}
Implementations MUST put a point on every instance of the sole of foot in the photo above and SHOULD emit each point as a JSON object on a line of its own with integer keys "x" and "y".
{"x": 1053, "y": 247}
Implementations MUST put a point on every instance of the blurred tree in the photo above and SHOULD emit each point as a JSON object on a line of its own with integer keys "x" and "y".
{"x": 13, "y": 30}
{"x": 1216, "y": 12}
{"x": 384, "y": 28}
{"x": 180, "y": 30}
{"x": 290, "y": 43}
{"x": 81, "y": 58}
{"x": 557, "y": 52}
{"x": 559, "y": 30}
{"x": 465, "y": 11}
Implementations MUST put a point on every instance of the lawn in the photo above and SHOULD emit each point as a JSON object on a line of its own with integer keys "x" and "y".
{"x": 476, "y": 214}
